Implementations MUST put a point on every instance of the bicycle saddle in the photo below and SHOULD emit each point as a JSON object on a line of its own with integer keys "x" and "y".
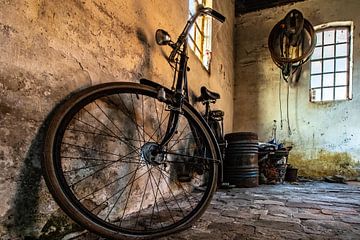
{"x": 206, "y": 94}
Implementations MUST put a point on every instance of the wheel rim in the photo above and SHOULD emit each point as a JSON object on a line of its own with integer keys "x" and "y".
{"x": 148, "y": 197}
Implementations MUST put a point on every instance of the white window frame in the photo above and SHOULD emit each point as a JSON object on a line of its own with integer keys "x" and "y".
{"x": 200, "y": 35}
{"x": 322, "y": 28}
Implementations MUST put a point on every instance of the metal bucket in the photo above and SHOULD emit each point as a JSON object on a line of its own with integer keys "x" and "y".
{"x": 241, "y": 159}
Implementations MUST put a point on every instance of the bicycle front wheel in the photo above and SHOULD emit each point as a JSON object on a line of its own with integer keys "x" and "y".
{"x": 101, "y": 166}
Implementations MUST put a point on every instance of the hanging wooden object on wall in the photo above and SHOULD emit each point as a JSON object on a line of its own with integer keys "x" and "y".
{"x": 291, "y": 43}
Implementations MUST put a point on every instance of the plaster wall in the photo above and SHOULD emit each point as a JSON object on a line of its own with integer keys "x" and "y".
{"x": 52, "y": 48}
{"x": 314, "y": 127}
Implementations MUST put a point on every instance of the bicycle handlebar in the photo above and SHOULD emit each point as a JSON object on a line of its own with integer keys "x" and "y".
{"x": 213, "y": 13}
{"x": 200, "y": 10}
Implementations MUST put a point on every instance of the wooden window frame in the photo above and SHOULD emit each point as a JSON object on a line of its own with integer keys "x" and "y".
{"x": 349, "y": 56}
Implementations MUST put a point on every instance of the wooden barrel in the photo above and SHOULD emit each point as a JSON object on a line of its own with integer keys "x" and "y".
{"x": 241, "y": 159}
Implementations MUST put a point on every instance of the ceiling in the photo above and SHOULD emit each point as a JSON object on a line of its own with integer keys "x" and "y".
{"x": 246, "y": 6}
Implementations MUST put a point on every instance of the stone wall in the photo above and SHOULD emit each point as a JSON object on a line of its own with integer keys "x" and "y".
{"x": 317, "y": 129}
{"x": 52, "y": 48}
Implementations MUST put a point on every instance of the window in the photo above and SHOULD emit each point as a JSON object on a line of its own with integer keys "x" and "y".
{"x": 331, "y": 63}
{"x": 200, "y": 34}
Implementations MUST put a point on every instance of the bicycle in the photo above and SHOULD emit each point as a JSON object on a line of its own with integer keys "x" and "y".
{"x": 215, "y": 120}
{"x": 130, "y": 160}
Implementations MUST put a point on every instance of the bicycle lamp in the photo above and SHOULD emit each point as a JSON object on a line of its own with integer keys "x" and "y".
{"x": 162, "y": 37}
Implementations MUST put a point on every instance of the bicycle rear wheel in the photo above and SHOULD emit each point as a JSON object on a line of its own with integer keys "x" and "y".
{"x": 101, "y": 167}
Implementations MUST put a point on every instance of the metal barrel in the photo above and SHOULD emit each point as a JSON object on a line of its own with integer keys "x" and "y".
{"x": 241, "y": 159}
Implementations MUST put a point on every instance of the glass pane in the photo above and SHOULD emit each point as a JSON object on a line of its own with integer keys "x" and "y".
{"x": 197, "y": 53}
{"x": 341, "y": 64}
{"x": 342, "y": 35}
{"x": 342, "y": 50}
{"x": 315, "y": 67}
{"x": 197, "y": 38}
{"x": 192, "y": 6}
{"x": 328, "y": 94}
{"x": 341, "y": 78}
{"x": 340, "y": 93}
{"x": 315, "y": 81}
{"x": 329, "y": 65}
{"x": 191, "y": 43}
{"x": 316, "y": 95}
{"x": 192, "y": 32}
{"x": 318, "y": 38}
{"x": 329, "y": 51}
{"x": 328, "y": 80}
{"x": 329, "y": 37}
{"x": 317, "y": 54}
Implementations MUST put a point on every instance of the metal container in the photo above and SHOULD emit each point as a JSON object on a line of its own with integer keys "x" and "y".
{"x": 241, "y": 159}
{"x": 291, "y": 174}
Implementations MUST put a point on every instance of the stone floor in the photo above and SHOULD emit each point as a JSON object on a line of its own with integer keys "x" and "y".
{"x": 311, "y": 210}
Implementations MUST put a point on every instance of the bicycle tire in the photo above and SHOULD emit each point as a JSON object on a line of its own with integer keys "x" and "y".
{"x": 104, "y": 109}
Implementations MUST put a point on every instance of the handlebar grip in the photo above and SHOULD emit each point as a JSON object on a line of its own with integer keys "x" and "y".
{"x": 218, "y": 16}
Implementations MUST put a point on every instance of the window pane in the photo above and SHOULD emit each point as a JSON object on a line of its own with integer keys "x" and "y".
{"x": 198, "y": 36}
{"x": 342, "y": 50}
{"x": 341, "y": 79}
{"x": 318, "y": 38}
{"x": 192, "y": 6}
{"x": 340, "y": 93}
{"x": 192, "y": 32}
{"x": 329, "y": 65}
{"x": 315, "y": 81}
{"x": 342, "y": 35}
{"x": 328, "y": 94}
{"x": 329, "y": 69}
{"x": 341, "y": 64}
{"x": 316, "y": 95}
{"x": 329, "y": 36}
{"x": 329, "y": 51}
{"x": 316, "y": 67}
{"x": 191, "y": 43}
{"x": 317, "y": 54}
{"x": 201, "y": 33}
{"x": 328, "y": 80}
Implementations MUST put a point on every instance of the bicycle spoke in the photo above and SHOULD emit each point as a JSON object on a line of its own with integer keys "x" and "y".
{"x": 172, "y": 193}
{"x": 126, "y": 143}
{"x": 135, "y": 121}
{"x": 95, "y": 165}
{"x": 158, "y": 189}
{"x": 155, "y": 205}
{"x": 181, "y": 133}
{"x": 116, "y": 180}
{"x": 91, "y": 149}
{"x": 152, "y": 135}
{"x": 184, "y": 190}
{"x": 142, "y": 201}
{"x": 89, "y": 125}
{"x": 191, "y": 156}
{"x": 111, "y": 163}
{"x": 132, "y": 183}
{"x": 134, "y": 113}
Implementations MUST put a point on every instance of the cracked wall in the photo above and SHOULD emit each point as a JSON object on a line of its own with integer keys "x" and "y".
{"x": 52, "y": 48}
{"x": 315, "y": 128}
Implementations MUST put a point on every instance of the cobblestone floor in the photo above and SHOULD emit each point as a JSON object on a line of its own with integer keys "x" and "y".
{"x": 312, "y": 210}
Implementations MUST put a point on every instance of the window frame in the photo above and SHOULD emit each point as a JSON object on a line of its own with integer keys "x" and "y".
{"x": 349, "y": 81}
{"x": 201, "y": 45}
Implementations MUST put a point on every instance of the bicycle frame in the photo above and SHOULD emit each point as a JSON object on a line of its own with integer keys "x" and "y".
{"x": 181, "y": 86}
